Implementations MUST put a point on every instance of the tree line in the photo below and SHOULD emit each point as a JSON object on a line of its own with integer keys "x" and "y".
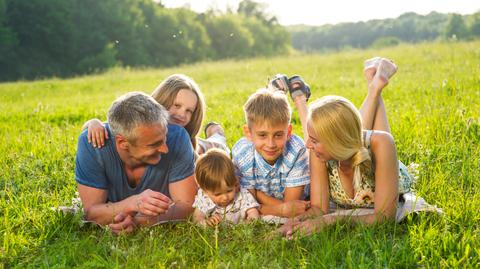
{"x": 409, "y": 27}
{"x": 44, "y": 38}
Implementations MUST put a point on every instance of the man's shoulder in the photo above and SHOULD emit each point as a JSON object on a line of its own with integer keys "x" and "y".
{"x": 177, "y": 135}
{"x": 175, "y": 130}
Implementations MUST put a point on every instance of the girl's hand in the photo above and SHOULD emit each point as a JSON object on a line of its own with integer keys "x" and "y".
{"x": 306, "y": 227}
{"x": 309, "y": 226}
{"x": 97, "y": 133}
{"x": 214, "y": 220}
{"x": 294, "y": 208}
{"x": 287, "y": 229}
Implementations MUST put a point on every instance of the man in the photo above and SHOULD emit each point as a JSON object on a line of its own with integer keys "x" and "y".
{"x": 141, "y": 176}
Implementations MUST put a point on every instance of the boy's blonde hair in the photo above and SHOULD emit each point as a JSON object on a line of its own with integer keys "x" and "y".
{"x": 214, "y": 170}
{"x": 267, "y": 106}
{"x": 166, "y": 93}
{"x": 337, "y": 123}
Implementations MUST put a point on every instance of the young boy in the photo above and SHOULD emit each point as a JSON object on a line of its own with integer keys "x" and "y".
{"x": 271, "y": 162}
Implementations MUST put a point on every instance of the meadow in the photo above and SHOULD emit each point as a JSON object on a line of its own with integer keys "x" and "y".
{"x": 433, "y": 105}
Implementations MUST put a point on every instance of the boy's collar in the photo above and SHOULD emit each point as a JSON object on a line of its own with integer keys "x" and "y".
{"x": 280, "y": 166}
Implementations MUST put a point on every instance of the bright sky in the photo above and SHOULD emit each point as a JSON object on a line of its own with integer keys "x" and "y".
{"x": 317, "y": 12}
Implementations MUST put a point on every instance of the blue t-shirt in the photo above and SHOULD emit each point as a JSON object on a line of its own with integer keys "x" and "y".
{"x": 103, "y": 169}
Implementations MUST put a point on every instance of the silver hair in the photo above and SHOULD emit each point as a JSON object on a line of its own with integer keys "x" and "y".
{"x": 133, "y": 109}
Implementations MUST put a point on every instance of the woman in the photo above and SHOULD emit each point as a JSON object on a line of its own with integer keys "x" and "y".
{"x": 353, "y": 159}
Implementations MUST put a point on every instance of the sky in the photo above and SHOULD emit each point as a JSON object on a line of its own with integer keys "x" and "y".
{"x": 318, "y": 12}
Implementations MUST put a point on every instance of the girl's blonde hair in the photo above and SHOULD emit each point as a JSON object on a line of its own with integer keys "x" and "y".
{"x": 166, "y": 93}
{"x": 215, "y": 170}
{"x": 338, "y": 125}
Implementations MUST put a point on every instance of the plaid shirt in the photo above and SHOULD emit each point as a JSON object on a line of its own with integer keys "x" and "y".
{"x": 290, "y": 170}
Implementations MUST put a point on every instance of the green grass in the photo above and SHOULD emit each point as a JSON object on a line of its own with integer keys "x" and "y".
{"x": 433, "y": 105}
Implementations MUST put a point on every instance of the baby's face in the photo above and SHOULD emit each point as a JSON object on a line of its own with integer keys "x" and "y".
{"x": 222, "y": 197}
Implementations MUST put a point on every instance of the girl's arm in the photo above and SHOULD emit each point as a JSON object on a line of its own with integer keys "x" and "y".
{"x": 97, "y": 133}
{"x": 319, "y": 190}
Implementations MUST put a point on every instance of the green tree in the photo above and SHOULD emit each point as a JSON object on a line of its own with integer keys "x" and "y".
{"x": 44, "y": 30}
{"x": 456, "y": 27}
{"x": 250, "y": 8}
{"x": 8, "y": 42}
{"x": 267, "y": 40}
{"x": 94, "y": 44}
{"x": 230, "y": 39}
{"x": 475, "y": 25}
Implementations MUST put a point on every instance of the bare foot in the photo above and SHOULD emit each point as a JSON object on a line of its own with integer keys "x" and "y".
{"x": 386, "y": 69}
{"x": 370, "y": 68}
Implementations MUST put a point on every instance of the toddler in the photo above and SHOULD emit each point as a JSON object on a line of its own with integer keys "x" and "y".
{"x": 220, "y": 197}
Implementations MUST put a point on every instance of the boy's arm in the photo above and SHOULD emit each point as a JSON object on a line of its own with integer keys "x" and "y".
{"x": 290, "y": 206}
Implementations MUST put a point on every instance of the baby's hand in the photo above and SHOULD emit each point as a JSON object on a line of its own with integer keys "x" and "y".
{"x": 252, "y": 214}
{"x": 97, "y": 133}
{"x": 214, "y": 220}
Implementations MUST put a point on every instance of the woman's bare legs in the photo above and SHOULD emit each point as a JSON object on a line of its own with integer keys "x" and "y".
{"x": 374, "y": 116}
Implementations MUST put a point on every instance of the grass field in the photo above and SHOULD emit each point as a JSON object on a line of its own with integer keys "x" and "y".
{"x": 433, "y": 104}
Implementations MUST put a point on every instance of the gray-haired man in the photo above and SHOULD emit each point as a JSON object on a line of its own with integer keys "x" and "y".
{"x": 143, "y": 175}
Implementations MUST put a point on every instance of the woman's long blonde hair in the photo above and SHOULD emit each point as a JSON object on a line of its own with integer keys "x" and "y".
{"x": 338, "y": 125}
{"x": 166, "y": 93}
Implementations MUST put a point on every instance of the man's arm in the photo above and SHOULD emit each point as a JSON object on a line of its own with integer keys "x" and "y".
{"x": 183, "y": 194}
{"x": 98, "y": 210}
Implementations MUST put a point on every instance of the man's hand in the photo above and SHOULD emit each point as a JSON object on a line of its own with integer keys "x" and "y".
{"x": 122, "y": 223}
{"x": 151, "y": 203}
{"x": 294, "y": 208}
{"x": 213, "y": 220}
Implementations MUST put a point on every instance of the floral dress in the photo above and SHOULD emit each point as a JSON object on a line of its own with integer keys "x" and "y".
{"x": 367, "y": 182}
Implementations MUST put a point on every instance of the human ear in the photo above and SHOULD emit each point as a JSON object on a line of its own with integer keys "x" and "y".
{"x": 289, "y": 132}
{"x": 121, "y": 142}
{"x": 246, "y": 132}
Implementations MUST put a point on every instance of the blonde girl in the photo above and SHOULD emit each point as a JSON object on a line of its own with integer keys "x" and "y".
{"x": 182, "y": 97}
